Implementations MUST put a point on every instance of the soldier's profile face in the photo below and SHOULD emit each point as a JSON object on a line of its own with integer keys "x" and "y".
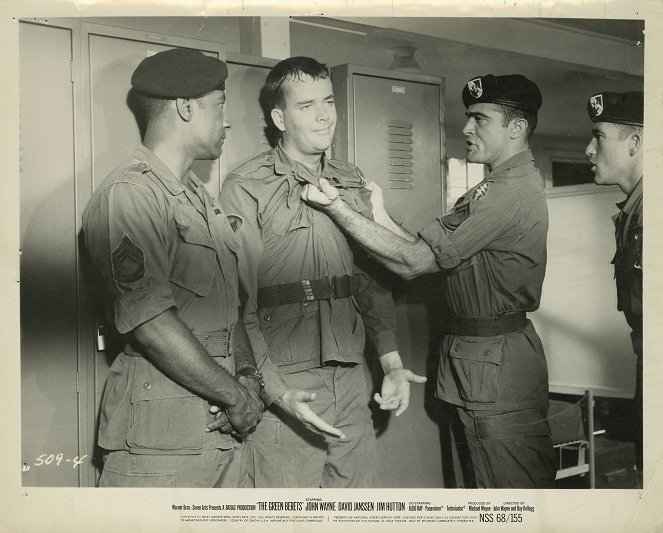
{"x": 308, "y": 118}
{"x": 486, "y": 137}
{"x": 211, "y": 124}
{"x": 608, "y": 154}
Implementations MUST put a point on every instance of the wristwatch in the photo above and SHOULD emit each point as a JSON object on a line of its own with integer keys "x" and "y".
{"x": 253, "y": 373}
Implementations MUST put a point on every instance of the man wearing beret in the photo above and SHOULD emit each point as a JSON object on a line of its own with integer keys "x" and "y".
{"x": 310, "y": 297}
{"x": 185, "y": 388}
{"x": 491, "y": 252}
{"x": 615, "y": 153}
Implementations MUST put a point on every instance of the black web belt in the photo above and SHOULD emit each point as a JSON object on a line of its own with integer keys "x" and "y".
{"x": 305, "y": 290}
{"x": 485, "y": 326}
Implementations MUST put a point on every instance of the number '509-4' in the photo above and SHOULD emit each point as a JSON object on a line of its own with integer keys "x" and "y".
{"x": 46, "y": 459}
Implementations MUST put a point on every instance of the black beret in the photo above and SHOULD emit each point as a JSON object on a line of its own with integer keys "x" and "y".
{"x": 179, "y": 73}
{"x": 513, "y": 90}
{"x": 622, "y": 108}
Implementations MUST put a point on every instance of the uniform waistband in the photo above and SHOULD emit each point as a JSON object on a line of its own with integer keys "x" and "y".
{"x": 216, "y": 343}
{"x": 306, "y": 290}
{"x": 485, "y": 326}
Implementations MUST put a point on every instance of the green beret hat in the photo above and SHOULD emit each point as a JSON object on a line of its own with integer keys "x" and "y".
{"x": 622, "y": 108}
{"x": 513, "y": 90}
{"x": 179, "y": 73}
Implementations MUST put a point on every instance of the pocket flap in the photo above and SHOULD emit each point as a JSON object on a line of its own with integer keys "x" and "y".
{"x": 478, "y": 349}
{"x": 151, "y": 384}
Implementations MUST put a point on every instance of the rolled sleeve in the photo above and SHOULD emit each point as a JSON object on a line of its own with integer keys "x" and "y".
{"x": 435, "y": 236}
{"x": 126, "y": 236}
{"x": 456, "y": 237}
{"x": 137, "y": 306}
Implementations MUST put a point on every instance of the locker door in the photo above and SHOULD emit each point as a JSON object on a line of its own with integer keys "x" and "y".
{"x": 246, "y": 137}
{"x": 49, "y": 309}
{"x": 397, "y": 145}
{"x": 109, "y": 57}
{"x": 389, "y": 124}
{"x": 115, "y": 133}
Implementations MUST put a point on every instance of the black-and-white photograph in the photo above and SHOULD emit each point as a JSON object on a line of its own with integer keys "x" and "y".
{"x": 317, "y": 251}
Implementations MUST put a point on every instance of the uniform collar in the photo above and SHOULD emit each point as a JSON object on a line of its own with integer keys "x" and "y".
{"x": 160, "y": 170}
{"x": 515, "y": 161}
{"x": 284, "y": 165}
{"x": 631, "y": 200}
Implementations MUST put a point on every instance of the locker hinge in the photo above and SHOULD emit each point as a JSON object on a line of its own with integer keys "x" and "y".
{"x": 71, "y": 71}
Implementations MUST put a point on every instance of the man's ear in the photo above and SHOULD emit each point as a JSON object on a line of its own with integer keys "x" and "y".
{"x": 277, "y": 118}
{"x": 635, "y": 143}
{"x": 518, "y": 128}
{"x": 184, "y": 108}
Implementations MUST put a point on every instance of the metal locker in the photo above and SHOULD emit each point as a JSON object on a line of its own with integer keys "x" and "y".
{"x": 389, "y": 124}
{"x": 246, "y": 138}
{"x": 49, "y": 306}
{"x": 109, "y": 57}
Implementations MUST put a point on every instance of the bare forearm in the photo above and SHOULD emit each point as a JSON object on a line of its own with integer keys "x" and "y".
{"x": 382, "y": 217}
{"x": 406, "y": 256}
{"x": 169, "y": 344}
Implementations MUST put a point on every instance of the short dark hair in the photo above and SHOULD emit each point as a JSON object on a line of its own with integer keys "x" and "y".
{"x": 146, "y": 108}
{"x": 150, "y": 107}
{"x": 293, "y": 68}
{"x": 515, "y": 113}
{"x": 628, "y": 129}
{"x": 272, "y": 94}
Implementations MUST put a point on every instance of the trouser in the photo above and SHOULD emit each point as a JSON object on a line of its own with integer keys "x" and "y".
{"x": 284, "y": 453}
{"x": 510, "y": 449}
{"x": 206, "y": 470}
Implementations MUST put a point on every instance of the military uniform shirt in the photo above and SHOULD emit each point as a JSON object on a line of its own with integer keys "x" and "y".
{"x": 284, "y": 240}
{"x": 628, "y": 261}
{"x": 491, "y": 249}
{"x": 161, "y": 244}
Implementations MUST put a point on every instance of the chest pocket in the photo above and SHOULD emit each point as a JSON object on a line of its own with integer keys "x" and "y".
{"x": 357, "y": 199}
{"x": 630, "y": 257}
{"x": 194, "y": 265}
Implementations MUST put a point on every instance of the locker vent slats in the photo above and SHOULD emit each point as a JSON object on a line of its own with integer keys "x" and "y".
{"x": 400, "y": 158}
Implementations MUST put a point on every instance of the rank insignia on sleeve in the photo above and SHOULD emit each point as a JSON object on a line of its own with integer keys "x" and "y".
{"x": 481, "y": 191}
{"x": 128, "y": 261}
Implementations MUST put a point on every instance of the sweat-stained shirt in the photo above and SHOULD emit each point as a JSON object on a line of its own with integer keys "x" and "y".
{"x": 283, "y": 240}
{"x": 491, "y": 249}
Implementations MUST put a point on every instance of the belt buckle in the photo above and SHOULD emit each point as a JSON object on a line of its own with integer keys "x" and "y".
{"x": 308, "y": 290}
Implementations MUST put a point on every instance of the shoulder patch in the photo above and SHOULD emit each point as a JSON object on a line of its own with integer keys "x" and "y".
{"x": 481, "y": 190}
{"x": 128, "y": 261}
{"x": 235, "y": 222}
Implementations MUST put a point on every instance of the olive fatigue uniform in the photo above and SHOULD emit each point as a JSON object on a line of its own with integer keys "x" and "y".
{"x": 159, "y": 244}
{"x": 492, "y": 251}
{"x": 628, "y": 275}
{"x": 317, "y": 345}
